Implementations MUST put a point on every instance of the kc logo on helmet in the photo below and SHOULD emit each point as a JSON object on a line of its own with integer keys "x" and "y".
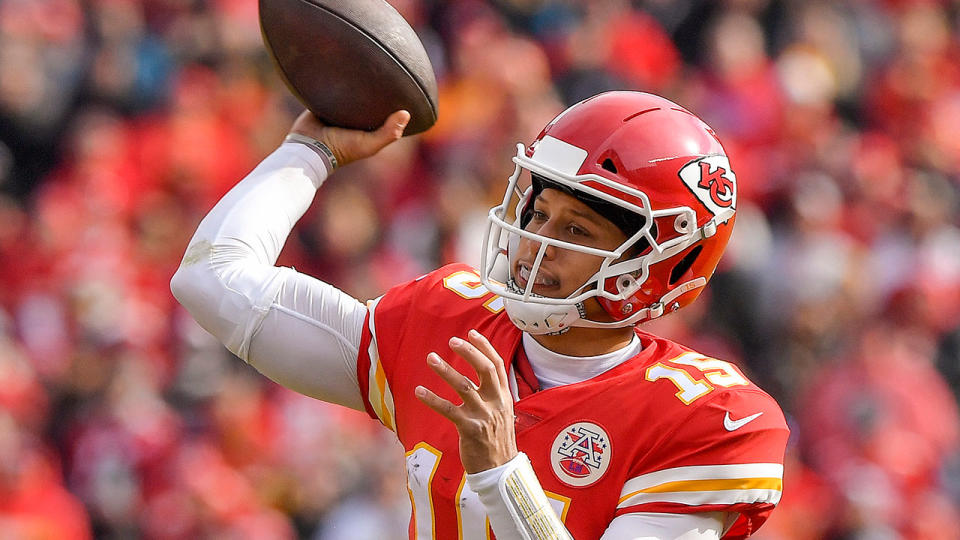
{"x": 713, "y": 182}
{"x": 580, "y": 454}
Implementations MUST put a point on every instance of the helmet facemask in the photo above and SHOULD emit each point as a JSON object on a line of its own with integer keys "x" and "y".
{"x": 622, "y": 271}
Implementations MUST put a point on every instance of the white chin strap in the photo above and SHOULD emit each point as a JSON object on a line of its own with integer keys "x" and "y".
{"x": 538, "y": 319}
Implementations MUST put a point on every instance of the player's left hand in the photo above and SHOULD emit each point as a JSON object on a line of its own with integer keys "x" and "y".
{"x": 484, "y": 420}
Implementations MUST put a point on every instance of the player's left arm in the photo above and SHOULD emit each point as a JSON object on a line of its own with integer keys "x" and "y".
{"x": 502, "y": 476}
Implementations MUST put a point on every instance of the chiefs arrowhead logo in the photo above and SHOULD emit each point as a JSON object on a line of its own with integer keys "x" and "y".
{"x": 713, "y": 182}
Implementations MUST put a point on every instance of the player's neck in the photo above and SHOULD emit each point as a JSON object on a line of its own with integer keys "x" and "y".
{"x": 587, "y": 341}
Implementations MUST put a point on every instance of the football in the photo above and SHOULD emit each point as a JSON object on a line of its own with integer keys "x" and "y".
{"x": 351, "y": 62}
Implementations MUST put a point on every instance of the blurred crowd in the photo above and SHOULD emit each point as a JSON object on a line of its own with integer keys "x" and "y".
{"x": 123, "y": 121}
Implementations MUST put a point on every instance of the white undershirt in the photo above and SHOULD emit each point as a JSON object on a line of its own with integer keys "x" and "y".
{"x": 229, "y": 282}
{"x": 555, "y": 369}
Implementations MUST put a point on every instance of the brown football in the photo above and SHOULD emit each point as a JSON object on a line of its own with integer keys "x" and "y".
{"x": 351, "y": 62}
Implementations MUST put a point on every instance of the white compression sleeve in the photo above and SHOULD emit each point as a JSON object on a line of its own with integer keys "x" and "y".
{"x": 297, "y": 330}
{"x": 518, "y": 510}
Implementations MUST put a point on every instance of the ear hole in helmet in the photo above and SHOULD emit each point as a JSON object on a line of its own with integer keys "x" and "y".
{"x": 609, "y": 165}
{"x": 685, "y": 263}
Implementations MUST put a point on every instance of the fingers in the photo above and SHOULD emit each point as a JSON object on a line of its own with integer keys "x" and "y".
{"x": 484, "y": 362}
{"x": 390, "y": 131}
{"x": 484, "y": 359}
{"x": 443, "y": 407}
{"x": 308, "y": 124}
{"x": 462, "y": 385}
{"x": 395, "y": 124}
{"x": 483, "y": 345}
{"x": 350, "y": 145}
{"x": 307, "y": 117}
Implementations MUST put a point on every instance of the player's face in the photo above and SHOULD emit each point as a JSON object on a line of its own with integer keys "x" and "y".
{"x": 562, "y": 272}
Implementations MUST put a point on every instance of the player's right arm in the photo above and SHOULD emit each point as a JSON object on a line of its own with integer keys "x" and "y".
{"x": 297, "y": 330}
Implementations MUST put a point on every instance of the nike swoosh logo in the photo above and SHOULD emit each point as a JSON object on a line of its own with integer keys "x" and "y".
{"x": 733, "y": 425}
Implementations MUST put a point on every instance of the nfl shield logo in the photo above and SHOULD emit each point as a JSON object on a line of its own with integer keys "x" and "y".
{"x": 580, "y": 454}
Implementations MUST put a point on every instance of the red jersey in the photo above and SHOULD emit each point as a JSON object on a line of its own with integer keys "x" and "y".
{"x": 669, "y": 430}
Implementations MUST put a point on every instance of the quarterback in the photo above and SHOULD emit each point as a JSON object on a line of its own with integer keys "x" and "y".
{"x": 529, "y": 403}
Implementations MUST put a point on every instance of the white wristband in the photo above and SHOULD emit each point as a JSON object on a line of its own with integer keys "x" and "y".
{"x": 515, "y": 502}
{"x": 321, "y": 149}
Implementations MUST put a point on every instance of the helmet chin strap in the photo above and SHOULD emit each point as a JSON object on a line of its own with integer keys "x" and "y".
{"x": 547, "y": 319}
{"x": 540, "y": 319}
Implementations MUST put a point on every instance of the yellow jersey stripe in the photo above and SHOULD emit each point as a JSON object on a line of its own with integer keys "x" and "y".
{"x": 710, "y": 485}
{"x": 378, "y": 391}
{"x": 385, "y": 413}
{"x": 702, "y": 472}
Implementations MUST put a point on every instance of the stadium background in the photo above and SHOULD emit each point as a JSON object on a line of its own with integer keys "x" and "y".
{"x": 123, "y": 121}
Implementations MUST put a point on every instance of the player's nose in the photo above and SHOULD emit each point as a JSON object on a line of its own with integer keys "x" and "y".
{"x": 532, "y": 248}
{"x": 551, "y": 231}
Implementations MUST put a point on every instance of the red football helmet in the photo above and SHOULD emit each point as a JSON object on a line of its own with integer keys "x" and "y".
{"x": 647, "y": 156}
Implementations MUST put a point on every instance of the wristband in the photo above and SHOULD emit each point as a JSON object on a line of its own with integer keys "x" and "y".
{"x": 514, "y": 487}
{"x": 528, "y": 503}
{"x": 321, "y": 149}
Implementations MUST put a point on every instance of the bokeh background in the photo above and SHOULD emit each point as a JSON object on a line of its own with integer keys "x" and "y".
{"x": 123, "y": 121}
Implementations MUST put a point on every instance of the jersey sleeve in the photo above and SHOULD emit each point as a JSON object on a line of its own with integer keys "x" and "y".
{"x": 726, "y": 455}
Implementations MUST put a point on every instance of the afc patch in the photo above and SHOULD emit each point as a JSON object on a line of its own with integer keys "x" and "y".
{"x": 580, "y": 454}
{"x": 713, "y": 182}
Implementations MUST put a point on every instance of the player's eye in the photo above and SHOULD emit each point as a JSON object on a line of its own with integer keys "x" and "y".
{"x": 538, "y": 216}
{"x": 576, "y": 230}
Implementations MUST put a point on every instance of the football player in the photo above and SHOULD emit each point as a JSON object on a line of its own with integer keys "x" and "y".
{"x": 558, "y": 416}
